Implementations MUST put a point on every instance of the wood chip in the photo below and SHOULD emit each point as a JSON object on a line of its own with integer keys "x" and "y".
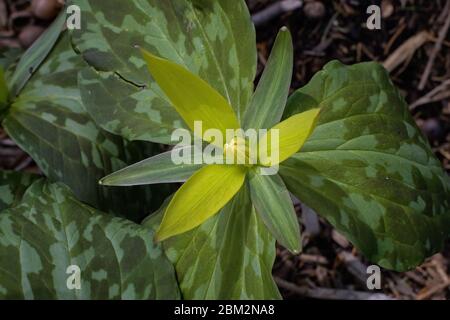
{"x": 309, "y": 258}
{"x": 406, "y": 50}
{"x": 330, "y": 294}
{"x": 339, "y": 239}
{"x": 429, "y": 292}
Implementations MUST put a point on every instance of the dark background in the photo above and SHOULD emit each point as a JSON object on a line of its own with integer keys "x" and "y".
{"x": 412, "y": 33}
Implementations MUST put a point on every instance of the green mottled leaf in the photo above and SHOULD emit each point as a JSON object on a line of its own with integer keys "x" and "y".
{"x": 51, "y": 230}
{"x": 368, "y": 169}
{"x": 36, "y": 54}
{"x": 273, "y": 203}
{"x": 9, "y": 56}
{"x": 12, "y": 187}
{"x": 269, "y": 99}
{"x": 230, "y": 256}
{"x": 154, "y": 170}
{"x": 49, "y": 122}
{"x": 213, "y": 39}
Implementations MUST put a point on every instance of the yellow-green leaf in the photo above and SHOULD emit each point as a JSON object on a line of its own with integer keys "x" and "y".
{"x": 203, "y": 195}
{"x": 292, "y": 134}
{"x": 193, "y": 98}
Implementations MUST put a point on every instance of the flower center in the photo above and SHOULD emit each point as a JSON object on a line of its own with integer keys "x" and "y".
{"x": 237, "y": 151}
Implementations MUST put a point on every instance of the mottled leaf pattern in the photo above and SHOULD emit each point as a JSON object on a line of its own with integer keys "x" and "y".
{"x": 230, "y": 256}
{"x": 50, "y": 231}
{"x": 31, "y": 60}
{"x": 9, "y": 56}
{"x": 368, "y": 169}
{"x": 12, "y": 187}
{"x": 49, "y": 122}
{"x": 213, "y": 39}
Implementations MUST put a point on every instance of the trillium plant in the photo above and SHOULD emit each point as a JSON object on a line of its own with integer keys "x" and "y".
{"x": 197, "y": 168}
{"x": 211, "y": 187}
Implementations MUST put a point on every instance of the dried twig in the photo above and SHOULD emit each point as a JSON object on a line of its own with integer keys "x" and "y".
{"x": 330, "y": 294}
{"x": 439, "y": 93}
{"x": 431, "y": 291}
{"x": 275, "y": 10}
{"x": 406, "y": 50}
{"x": 339, "y": 239}
{"x": 436, "y": 49}
{"x": 325, "y": 41}
{"x": 316, "y": 259}
{"x": 354, "y": 266}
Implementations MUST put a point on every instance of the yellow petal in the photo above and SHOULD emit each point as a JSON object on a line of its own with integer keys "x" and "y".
{"x": 193, "y": 98}
{"x": 203, "y": 195}
{"x": 292, "y": 133}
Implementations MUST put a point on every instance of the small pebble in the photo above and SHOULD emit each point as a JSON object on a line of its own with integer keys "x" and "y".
{"x": 45, "y": 9}
{"x": 387, "y": 8}
{"x": 432, "y": 128}
{"x": 29, "y": 34}
{"x": 314, "y": 9}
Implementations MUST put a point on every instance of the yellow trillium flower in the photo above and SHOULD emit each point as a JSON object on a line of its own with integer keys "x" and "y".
{"x": 209, "y": 187}
{"x": 213, "y": 186}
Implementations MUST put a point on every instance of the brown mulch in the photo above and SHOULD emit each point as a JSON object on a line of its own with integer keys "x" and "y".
{"x": 23, "y": 21}
{"x": 329, "y": 267}
{"x": 412, "y": 44}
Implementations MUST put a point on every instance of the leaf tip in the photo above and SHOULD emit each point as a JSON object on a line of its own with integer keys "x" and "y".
{"x": 105, "y": 181}
{"x": 285, "y": 33}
